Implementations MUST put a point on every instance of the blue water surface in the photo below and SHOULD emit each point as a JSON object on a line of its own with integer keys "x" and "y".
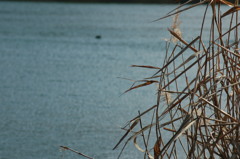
{"x": 59, "y": 84}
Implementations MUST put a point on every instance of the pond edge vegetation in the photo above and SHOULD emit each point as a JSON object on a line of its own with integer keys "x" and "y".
{"x": 200, "y": 113}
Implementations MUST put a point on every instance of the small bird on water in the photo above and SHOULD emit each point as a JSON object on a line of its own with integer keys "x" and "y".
{"x": 98, "y": 36}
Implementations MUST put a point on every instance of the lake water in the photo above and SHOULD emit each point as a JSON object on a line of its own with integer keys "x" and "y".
{"x": 58, "y": 83}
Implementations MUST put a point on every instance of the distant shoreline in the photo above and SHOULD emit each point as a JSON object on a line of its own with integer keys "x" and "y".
{"x": 105, "y": 1}
{"x": 112, "y": 1}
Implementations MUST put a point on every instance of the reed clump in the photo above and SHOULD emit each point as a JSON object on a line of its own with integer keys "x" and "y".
{"x": 201, "y": 112}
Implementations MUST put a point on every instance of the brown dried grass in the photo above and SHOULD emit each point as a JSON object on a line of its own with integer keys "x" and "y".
{"x": 202, "y": 114}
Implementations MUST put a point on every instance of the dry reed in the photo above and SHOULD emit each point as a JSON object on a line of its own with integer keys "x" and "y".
{"x": 201, "y": 113}
{"x": 79, "y": 153}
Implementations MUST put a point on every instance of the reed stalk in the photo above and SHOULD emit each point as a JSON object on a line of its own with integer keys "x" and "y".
{"x": 201, "y": 112}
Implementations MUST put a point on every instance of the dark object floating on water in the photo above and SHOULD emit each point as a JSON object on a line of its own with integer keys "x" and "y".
{"x": 98, "y": 36}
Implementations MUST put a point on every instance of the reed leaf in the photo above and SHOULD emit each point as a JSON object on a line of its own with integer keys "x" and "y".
{"x": 145, "y": 66}
{"x": 141, "y": 85}
{"x": 230, "y": 11}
